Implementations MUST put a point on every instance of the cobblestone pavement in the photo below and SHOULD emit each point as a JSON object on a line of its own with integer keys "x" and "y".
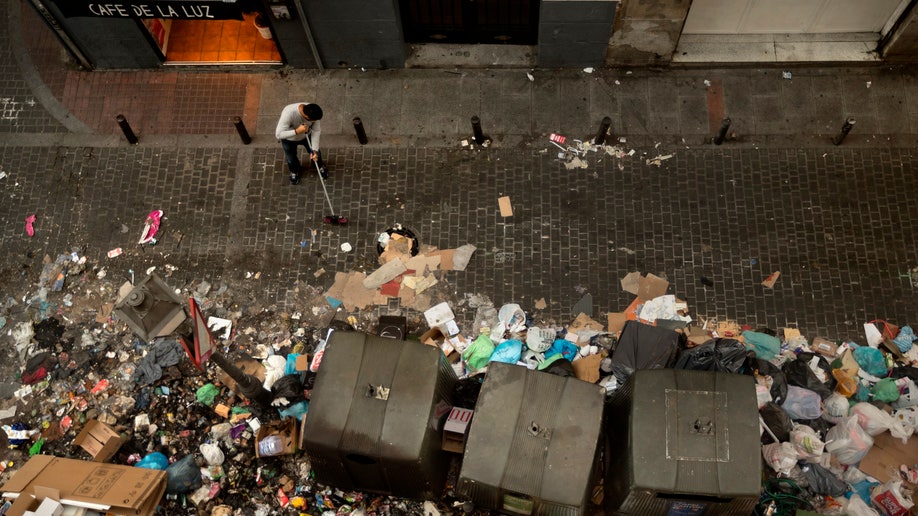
{"x": 837, "y": 224}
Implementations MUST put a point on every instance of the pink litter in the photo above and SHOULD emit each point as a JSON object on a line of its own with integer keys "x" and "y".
{"x": 150, "y": 227}
{"x": 28, "y": 225}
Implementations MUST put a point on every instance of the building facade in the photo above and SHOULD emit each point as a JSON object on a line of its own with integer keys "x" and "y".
{"x": 379, "y": 34}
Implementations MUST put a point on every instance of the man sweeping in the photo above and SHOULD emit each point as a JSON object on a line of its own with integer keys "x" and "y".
{"x": 299, "y": 125}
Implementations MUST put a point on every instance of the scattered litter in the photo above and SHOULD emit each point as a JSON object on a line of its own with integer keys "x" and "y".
{"x": 770, "y": 281}
{"x": 707, "y": 83}
{"x": 216, "y": 324}
{"x": 115, "y": 252}
{"x": 786, "y": 75}
{"x": 506, "y": 210}
{"x": 588, "y": 69}
{"x": 868, "y": 84}
{"x": 346, "y": 247}
{"x": 658, "y": 160}
{"x": 531, "y": 78}
{"x": 150, "y": 228}
{"x": 28, "y": 225}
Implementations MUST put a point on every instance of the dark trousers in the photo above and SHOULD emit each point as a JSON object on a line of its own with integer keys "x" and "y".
{"x": 293, "y": 161}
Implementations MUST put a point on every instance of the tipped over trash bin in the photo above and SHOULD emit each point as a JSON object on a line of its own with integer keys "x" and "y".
{"x": 683, "y": 442}
{"x": 375, "y": 416}
{"x": 533, "y": 443}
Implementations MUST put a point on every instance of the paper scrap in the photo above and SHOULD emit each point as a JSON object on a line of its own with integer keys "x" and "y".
{"x": 505, "y": 209}
{"x": 770, "y": 281}
{"x": 541, "y": 304}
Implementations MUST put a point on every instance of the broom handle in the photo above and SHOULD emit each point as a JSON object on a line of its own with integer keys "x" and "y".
{"x": 319, "y": 171}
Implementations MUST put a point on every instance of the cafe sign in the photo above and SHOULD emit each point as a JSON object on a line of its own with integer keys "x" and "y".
{"x": 177, "y": 9}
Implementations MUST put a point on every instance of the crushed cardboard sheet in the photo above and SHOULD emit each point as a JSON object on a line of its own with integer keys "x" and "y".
{"x": 506, "y": 209}
{"x": 389, "y": 271}
{"x": 584, "y": 322}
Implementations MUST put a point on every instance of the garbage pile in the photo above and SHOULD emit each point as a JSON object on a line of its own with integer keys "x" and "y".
{"x": 220, "y": 411}
{"x": 836, "y": 417}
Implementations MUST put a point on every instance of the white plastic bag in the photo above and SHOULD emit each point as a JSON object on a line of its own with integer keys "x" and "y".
{"x": 836, "y": 408}
{"x": 782, "y": 457}
{"x": 510, "y": 317}
{"x": 802, "y": 403}
{"x": 858, "y": 507}
{"x": 807, "y": 443}
{"x": 875, "y": 421}
{"x": 890, "y": 499}
{"x": 848, "y": 442}
{"x": 212, "y": 454}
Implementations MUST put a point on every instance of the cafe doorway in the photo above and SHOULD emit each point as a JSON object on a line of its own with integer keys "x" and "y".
{"x": 214, "y": 42}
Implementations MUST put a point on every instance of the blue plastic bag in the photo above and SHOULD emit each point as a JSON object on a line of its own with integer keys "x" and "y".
{"x": 508, "y": 352}
{"x": 904, "y": 339}
{"x": 764, "y": 345}
{"x": 871, "y": 360}
{"x": 155, "y": 460}
{"x": 566, "y": 348}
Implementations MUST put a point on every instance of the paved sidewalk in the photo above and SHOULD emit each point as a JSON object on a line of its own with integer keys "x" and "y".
{"x": 776, "y": 196}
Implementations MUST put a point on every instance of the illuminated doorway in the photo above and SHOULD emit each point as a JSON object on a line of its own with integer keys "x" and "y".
{"x": 210, "y": 42}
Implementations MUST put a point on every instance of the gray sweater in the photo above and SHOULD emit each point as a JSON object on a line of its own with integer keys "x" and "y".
{"x": 290, "y": 119}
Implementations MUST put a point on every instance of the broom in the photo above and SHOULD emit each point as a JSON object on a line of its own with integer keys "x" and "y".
{"x": 337, "y": 220}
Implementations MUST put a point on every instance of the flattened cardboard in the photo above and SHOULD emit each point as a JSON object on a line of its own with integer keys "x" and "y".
{"x": 584, "y": 322}
{"x": 617, "y": 321}
{"x": 506, "y": 210}
{"x": 651, "y": 287}
{"x": 887, "y": 453}
{"x": 126, "y": 490}
{"x": 630, "y": 283}
{"x": 99, "y": 439}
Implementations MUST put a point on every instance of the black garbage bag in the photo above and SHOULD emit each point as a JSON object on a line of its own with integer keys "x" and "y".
{"x": 290, "y": 387}
{"x": 822, "y": 481}
{"x": 777, "y": 420}
{"x": 184, "y": 476}
{"x": 560, "y": 367}
{"x": 465, "y": 394}
{"x": 724, "y": 355}
{"x": 904, "y": 372}
{"x": 642, "y": 346}
{"x": 798, "y": 373}
{"x": 778, "y": 389}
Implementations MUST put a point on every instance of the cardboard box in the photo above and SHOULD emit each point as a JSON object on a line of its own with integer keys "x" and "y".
{"x": 99, "y": 439}
{"x": 116, "y": 489}
{"x": 824, "y": 347}
{"x": 434, "y": 337}
{"x": 887, "y": 453}
{"x": 286, "y": 430}
{"x": 454, "y": 429}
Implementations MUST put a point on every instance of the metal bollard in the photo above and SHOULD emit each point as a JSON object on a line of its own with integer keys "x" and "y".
{"x": 476, "y": 130}
{"x": 240, "y": 128}
{"x": 846, "y": 128}
{"x": 603, "y": 131}
{"x": 724, "y": 127}
{"x": 358, "y": 128}
{"x": 126, "y": 129}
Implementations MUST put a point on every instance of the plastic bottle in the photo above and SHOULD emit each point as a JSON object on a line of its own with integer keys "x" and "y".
{"x": 270, "y": 445}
